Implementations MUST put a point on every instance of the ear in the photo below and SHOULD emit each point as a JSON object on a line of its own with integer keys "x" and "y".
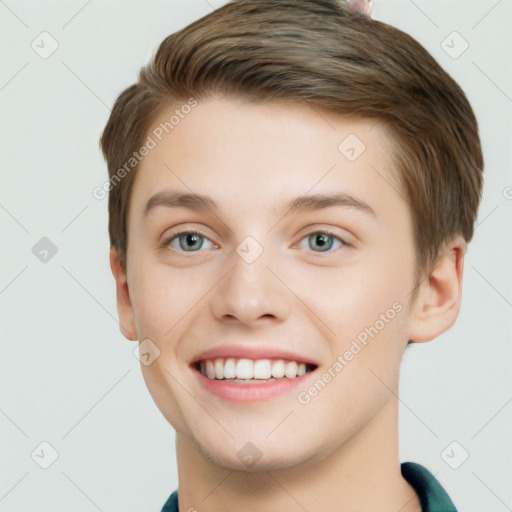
{"x": 124, "y": 303}
{"x": 438, "y": 300}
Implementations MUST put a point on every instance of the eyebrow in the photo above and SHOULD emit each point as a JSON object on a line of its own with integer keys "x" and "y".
{"x": 199, "y": 202}
{"x": 319, "y": 201}
{"x": 172, "y": 199}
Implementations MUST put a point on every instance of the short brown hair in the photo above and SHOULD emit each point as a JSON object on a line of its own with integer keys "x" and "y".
{"x": 316, "y": 52}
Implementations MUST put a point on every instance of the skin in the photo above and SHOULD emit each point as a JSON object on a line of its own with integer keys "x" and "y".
{"x": 250, "y": 158}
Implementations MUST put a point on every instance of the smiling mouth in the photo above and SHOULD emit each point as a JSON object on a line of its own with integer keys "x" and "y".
{"x": 246, "y": 371}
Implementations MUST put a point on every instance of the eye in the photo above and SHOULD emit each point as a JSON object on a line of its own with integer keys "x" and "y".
{"x": 189, "y": 241}
{"x": 322, "y": 241}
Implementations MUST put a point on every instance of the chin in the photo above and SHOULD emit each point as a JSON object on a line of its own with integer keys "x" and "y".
{"x": 255, "y": 457}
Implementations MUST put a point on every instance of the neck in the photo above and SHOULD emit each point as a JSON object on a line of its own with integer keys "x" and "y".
{"x": 362, "y": 474}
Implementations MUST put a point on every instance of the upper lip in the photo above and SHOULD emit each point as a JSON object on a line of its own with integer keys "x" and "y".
{"x": 250, "y": 352}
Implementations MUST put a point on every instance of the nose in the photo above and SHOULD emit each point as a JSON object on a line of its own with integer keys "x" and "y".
{"x": 250, "y": 293}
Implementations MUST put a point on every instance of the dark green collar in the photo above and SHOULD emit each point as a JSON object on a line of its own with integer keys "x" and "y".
{"x": 433, "y": 497}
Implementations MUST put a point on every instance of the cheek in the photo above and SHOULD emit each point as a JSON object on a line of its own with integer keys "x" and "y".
{"x": 156, "y": 301}
{"x": 349, "y": 299}
{"x": 162, "y": 297}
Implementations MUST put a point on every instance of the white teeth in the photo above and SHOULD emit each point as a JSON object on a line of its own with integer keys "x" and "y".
{"x": 290, "y": 370}
{"x": 210, "y": 370}
{"x": 262, "y": 369}
{"x": 247, "y": 369}
{"x": 278, "y": 369}
{"x": 244, "y": 369}
{"x": 229, "y": 369}
{"x": 219, "y": 368}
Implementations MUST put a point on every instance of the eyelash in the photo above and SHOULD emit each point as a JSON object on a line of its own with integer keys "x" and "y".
{"x": 176, "y": 236}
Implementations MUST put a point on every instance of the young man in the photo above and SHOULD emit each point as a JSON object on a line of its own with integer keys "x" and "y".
{"x": 292, "y": 188}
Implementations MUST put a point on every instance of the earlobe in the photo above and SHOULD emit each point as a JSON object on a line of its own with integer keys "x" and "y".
{"x": 438, "y": 301}
{"x": 124, "y": 304}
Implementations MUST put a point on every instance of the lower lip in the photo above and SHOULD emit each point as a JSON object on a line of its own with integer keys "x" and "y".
{"x": 249, "y": 392}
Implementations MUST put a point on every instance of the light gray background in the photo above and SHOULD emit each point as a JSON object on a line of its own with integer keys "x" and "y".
{"x": 69, "y": 378}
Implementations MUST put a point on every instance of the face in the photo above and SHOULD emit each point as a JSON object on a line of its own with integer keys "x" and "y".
{"x": 269, "y": 235}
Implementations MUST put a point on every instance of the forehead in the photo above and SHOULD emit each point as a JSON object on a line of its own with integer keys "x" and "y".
{"x": 252, "y": 153}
